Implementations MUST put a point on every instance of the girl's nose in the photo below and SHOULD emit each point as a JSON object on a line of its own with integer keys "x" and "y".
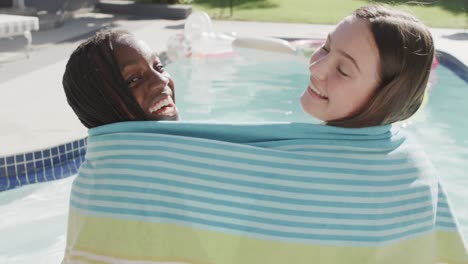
{"x": 318, "y": 70}
{"x": 159, "y": 80}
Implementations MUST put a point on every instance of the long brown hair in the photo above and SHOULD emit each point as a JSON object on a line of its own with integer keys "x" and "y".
{"x": 406, "y": 51}
{"x": 94, "y": 86}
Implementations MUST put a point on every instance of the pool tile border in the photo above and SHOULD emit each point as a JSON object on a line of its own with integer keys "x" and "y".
{"x": 455, "y": 65}
{"x": 43, "y": 165}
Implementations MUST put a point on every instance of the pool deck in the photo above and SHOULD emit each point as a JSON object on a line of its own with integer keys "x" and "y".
{"x": 33, "y": 110}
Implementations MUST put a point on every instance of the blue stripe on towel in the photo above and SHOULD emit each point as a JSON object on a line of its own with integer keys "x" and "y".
{"x": 119, "y": 145}
{"x": 294, "y": 191}
{"x": 230, "y": 203}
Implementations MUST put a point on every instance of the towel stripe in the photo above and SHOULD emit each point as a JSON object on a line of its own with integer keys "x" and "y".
{"x": 313, "y": 214}
{"x": 203, "y": 182}
{"x": 362, "y": 220}
{"x": 275, "y": 202}
{"x": 99, "y": 153}
{"x": 233, "y": 150}
{"x": 252, "y": 179}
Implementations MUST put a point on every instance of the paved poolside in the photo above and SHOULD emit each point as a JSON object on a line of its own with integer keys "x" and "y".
{"x": 34, "y": 113}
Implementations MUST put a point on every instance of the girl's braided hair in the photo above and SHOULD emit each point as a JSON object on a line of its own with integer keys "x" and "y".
{"x": 94, "y": 86}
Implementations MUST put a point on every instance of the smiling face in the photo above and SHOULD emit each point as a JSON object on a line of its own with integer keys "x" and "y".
{"x": 151, "y": 86}
{"x": 344, "y": 72}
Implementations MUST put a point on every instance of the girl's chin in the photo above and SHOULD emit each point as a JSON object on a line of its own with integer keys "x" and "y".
{"x": 306, "y": 107}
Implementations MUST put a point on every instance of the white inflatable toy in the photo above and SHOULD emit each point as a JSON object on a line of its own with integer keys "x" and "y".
{"x": 265, "y": 44}
{"x": 200, "y": 40}
{"x": 196, "y": 25}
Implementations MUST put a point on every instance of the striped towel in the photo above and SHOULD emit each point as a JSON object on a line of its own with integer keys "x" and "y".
{"x": 179, "y": 192}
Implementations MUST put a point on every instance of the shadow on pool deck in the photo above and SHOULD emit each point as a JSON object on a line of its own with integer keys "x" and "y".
{"x": 457, "y": 36}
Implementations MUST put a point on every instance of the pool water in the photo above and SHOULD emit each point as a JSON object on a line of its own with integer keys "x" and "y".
{"x": 248, "y": 87}
{"x": 442, "y": 127}
{"x": 33, "y": 223}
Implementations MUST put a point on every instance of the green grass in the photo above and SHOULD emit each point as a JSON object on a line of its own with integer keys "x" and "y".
{"x": 434, "y": 13}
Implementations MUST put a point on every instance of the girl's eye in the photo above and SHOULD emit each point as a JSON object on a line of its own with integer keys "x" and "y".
{"x": 340, "y": 71}
{"x": 131, "y": 81}
{"x": 324, "y": 48}
{"x": 159, "y": 67}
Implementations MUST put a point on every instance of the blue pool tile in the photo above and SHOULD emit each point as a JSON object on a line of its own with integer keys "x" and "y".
{"x": 63, "y": 158}
{"x": 20, "y": 158}
{"x": 69, "y": 146}
{"x": 2, "y": 172}
{"x": 22, "y": 179}
{"x": 29, "y": 156}
{"x": 15, "y": 181}
{"x": 2, "y": 161}
{"x": 38, "y": 155}
{"x": 30, "y": 167}
{"x": 49, "y": 174}
{"x": 54, "y": 151}
{"x": 73, "y": 166}
{"x": 4, "y": 183}
{"x": 38, "y": 164}
{"x": 56, "y": 160}
{"x": 82, "y": 152}
{"x": 66, "y": 170}
{"x": 39, "y": 176}
{"x": 46, "y": 153}
{"x": 21, "y": 168}
{"x": 44, "y": 175}
{"x": 47, "y": 163}
{"x": 61, "y": 149}
{"x": 11, "y": 171}
{"x": 31, "y": 178}
{"x": 10, "y": 160}
{"x": 75, "y": 144}
{"x": 69, "y": 155}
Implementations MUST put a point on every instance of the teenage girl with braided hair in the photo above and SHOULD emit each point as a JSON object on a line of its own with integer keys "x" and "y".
{"x": 113, "y": 77}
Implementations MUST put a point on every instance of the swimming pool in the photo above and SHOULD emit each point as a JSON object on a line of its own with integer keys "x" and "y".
{"x": 248, "y": 87}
